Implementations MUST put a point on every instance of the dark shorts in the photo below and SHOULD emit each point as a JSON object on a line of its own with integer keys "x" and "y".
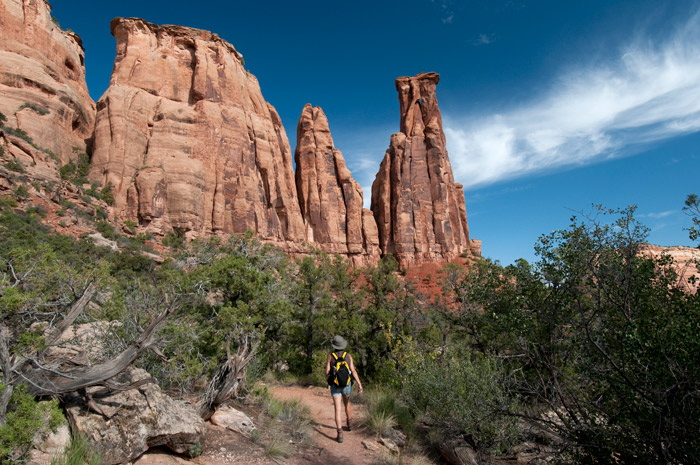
{"x": 340, "y": 391}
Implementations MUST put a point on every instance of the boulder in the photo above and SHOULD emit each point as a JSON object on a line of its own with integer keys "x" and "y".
{"x": 234, "y": 420}
{"x": 419, "y": 209}
{"x": 458, "y": 452}
{"x": 42, "y": 79}
{"x": 49, "y": 445}
{"x": 135, "y": 420}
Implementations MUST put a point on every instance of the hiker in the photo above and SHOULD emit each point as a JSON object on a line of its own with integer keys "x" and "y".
{"x": 341, "y": 373}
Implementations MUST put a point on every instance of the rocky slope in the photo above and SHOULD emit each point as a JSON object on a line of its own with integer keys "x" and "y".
{"x": 420, "y": 210}
{"x": 42, "y": 79}
{"x": 330, "y": 199}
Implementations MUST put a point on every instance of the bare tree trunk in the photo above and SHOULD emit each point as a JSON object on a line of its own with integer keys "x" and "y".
{"x": 225, "y": 383}
{"x": 5, "y": 365}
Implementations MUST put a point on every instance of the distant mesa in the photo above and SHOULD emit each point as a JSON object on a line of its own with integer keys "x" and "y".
{"x": 188, "y": 143}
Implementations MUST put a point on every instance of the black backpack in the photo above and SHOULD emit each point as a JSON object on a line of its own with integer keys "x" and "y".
{"x": 340, "y": 374}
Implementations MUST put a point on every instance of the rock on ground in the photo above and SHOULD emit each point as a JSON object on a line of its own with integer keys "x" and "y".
{"x": 138, "y": 419}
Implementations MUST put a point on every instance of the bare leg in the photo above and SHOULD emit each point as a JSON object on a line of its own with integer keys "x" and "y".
{"x": 336, "y": 404}
{"x": 348, "y": 410}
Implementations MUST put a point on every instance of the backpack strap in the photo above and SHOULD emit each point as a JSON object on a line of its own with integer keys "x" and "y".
{"x": 334, "y": 355}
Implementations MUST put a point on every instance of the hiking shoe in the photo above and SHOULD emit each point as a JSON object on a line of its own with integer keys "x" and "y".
{"x": 340, "y": 435}
{"x": 349, "y": 425}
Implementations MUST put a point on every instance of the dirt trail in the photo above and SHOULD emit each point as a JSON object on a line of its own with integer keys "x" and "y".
{"x": 351, "y": 451}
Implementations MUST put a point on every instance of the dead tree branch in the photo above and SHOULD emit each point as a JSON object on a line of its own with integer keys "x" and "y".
{"x": 227, "y": 379}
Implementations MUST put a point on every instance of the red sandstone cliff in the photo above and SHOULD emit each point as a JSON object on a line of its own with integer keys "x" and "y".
{"x": 188, "y": 142}
{"x": 420, "y": 211}
{"x": 186, "y": 138}
{"x": 42, "y": 79}
{"x": 329, "y": 197}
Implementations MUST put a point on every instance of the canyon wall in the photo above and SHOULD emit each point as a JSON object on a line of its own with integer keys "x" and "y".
{"x": 419, "y": 209}
{"x": 42, "y": 80}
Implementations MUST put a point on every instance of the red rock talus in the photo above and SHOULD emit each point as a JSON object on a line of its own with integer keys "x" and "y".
{"x": 329, "y": 197}
{"x": 419, "y": 209}
{"x": 42, "y": 79}
{"x": 187, "y": 140}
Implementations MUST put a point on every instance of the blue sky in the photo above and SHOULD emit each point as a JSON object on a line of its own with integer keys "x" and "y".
{"x": 548, "y": 106}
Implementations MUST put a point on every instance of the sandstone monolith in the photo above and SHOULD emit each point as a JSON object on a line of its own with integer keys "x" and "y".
{"x": 188, "y": 142}
{"x": 419, "y": 209}
{"x": 330, "y": 199}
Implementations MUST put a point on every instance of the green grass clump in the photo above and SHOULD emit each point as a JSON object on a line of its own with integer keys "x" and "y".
{"x": 79, "y": 452}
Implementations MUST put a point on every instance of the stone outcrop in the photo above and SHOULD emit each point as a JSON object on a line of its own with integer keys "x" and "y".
{"x": 42, "y": 79}
{"x": 135, "y": 421}
{"x": 187, "y": 140}
{"x": 419, "y": 209}
{"x": 330, "y": 199}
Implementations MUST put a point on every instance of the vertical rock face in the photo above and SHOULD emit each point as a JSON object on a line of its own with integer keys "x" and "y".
{"x": 187, "y": 140}
{"x": 420, "y": 211}
{"x": 329, "y": 197}
{"x": 42, "y": 79}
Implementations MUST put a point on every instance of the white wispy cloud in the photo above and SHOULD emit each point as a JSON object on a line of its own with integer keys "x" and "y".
{"x": 649, "y": 93}
{"x": 659, "y": 215}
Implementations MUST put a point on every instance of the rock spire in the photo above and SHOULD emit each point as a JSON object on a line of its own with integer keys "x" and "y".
{"x": 329, "y": 197}
{"x": 419, "y": 209}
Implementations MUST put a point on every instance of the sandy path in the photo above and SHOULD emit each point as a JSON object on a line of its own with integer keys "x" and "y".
{"x": 351, "y": 451}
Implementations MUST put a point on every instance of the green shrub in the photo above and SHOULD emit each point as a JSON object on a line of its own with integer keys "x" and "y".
{"x": 106, "y": 230}
{"x": 67, "y": 171}
{"x": 175, "y": 239}
{"x": 25, "y": 417}
{"x": 14, "y": 165}
{"x": 465, "y": 395}
{"x": 77, "y": 172}
{"x": 106, "y": 194}
{"x": 37, "y": 210}
{"x": 35, "y": 108}
{"x": 3, "y": 119}
{"x": 7, "y": 201}
{"x": 17, "y": 132}
{"x": 21, "y": 192}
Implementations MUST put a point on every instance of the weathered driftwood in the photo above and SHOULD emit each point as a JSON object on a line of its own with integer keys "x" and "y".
{"x": 49, "y": 378}
{"x": 227, "y": 379}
